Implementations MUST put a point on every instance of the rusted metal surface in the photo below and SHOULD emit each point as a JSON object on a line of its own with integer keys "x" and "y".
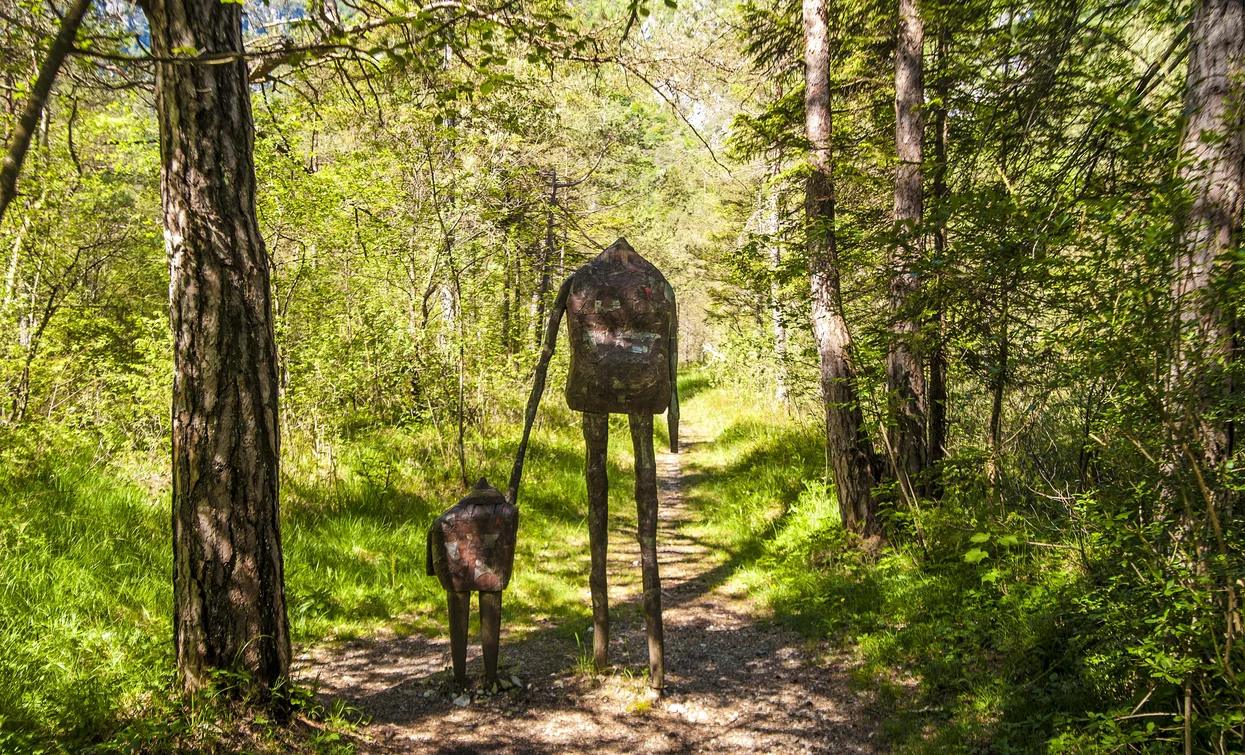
{"x": 621, "y": 318}
{"x": 471, "y": 546}
{"x": 596, "y": 437}
{"x": 646, "y": 511}
{"x": 623, "y": 330}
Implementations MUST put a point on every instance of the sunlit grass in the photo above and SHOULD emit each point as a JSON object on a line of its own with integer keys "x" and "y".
{"x": 86, "y": 563}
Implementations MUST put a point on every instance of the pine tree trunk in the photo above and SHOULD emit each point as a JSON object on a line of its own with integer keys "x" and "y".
{"x": 937, "y": 439}
{"x": 228, "y": 575}
{"x": 1213, "y": 154}
{"x": 998, "y": 388}
{"x": 905, "y": 372}
{"x": 506, "y": 344}
{"x": 851, "y": 454}
{"x": 778, "y": 318}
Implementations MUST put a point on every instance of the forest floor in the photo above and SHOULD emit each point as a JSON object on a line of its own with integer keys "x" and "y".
{"x": 735, "y": 681}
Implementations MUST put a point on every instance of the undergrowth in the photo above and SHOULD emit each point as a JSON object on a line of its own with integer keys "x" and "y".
{"x": 86, "y": 563}
{"x": 978, "y": 626}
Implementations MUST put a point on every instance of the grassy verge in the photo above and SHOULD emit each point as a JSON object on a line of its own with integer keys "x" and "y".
{"x": 85, "y": 565}
{"x": 1008, "y": 651}
{"x": 982, "y": 633}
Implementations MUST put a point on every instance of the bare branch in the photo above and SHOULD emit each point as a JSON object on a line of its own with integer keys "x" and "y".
{"x": 38, "y": 98}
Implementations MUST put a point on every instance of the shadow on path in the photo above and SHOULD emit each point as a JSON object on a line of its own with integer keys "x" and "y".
{"x": 736, "y": 684}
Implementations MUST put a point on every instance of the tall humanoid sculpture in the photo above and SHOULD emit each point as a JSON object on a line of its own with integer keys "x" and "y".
{"x": 622, "y": 324}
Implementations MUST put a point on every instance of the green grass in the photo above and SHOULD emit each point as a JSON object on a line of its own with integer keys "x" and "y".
{"x": 85, "y": 562}
{"x": 997, "y": 656}
{"x": 1007, "y": 655}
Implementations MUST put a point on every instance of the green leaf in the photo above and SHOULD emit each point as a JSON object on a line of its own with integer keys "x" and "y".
{"x": 189, "y": 51}
{"x": 1008, "y": 541}
{"x": 975, "y": 555}
{"x": 980, "y": 537}
{"x": 991, "y": 576}
{"x": 671, "y": 4}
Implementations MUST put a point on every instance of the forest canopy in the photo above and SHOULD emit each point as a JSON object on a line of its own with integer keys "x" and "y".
{"x": 958, "y": 298}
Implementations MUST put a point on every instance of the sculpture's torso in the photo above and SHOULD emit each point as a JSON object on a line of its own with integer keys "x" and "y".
{"x": 471, "y": 546}
{"x": 620, "y": 317}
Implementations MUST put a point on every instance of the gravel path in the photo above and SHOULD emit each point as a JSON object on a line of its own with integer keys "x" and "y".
{"x": 735, "y": 683}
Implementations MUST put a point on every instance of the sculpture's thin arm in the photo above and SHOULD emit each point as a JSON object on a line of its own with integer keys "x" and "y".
{"x": 672, "y": 414}
{"x": 538, "y": 388}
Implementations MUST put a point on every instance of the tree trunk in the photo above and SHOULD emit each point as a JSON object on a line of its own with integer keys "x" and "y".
{"x": 998, "y": 388}
{"x": 851, "y": 454}
{"x": 905, "y": 372}
{"x": 937, "y": 439}
{"x": 1213, "y": 153}
{"x": 505, "y": 302}
{"x": 546, "y": 258}
{"x": 778, "y": 319}
{"x": 228, "y": 575}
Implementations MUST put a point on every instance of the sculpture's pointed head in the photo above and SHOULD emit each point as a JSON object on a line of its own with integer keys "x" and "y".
{"x": 620, "y": 251}
{"x": 482, "y": 494}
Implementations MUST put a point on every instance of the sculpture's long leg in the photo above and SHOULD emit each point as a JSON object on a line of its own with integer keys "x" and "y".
{"x": 490, "y": 632}
{"x": 596, "y": 435}
{"x": 460, "y": 614}
{"x": 646, "y": 508}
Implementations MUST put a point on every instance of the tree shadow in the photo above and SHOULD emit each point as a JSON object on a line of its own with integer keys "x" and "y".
{"x": 730, "y": 679}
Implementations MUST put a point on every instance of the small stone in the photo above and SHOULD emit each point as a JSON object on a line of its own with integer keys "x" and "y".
{"x": 463, "y": 700}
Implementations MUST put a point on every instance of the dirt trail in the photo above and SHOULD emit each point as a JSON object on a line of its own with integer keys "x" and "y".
{"x": 735, "y": 683}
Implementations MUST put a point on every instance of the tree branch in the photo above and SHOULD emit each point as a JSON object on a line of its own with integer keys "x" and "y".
{"x": 38, "y": 98}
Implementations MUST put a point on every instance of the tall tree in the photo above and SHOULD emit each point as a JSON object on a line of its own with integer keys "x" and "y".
{"x": 228, "y": 573}
{"x": 778, "y": 321}
{"x": 936, "y": 440}
{"x": 905, "y": 371}
{"x": 1213, "y": 165}
{"x": 851, "y": 454}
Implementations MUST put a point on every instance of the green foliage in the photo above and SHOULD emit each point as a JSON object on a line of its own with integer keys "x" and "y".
{"x": 85, "y": 630}
{"x": 1072, "y": 587}
{"x": 1007, "y": 631}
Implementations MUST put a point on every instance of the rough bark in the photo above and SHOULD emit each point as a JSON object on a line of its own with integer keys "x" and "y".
{"x": 905, "y": 371}
{"x": 1213, "y": 165}
{"x": 33, "y": 113}
{"x": 851, "y": 454}
{"x": 228, "y": 575}
{"x": 937, "y": 438}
